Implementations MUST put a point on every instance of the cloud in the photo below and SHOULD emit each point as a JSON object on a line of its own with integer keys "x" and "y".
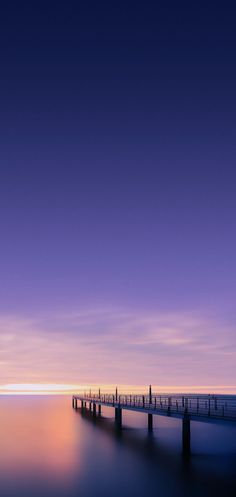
{"x": 115, "y": 345}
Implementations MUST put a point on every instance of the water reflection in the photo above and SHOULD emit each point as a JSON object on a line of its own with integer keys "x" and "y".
{"x": 36, "y": 437}
{"x": 48, "y": 450}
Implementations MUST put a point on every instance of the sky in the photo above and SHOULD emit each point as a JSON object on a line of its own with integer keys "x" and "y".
{"x": 117, "y": 193}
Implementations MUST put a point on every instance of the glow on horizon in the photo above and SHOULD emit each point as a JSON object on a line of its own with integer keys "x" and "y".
{"x": 39, "y": 388}
{"x": 68, "y": 389}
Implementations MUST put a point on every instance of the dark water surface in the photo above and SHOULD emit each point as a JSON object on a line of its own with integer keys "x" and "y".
{"x": 47, "y": 450}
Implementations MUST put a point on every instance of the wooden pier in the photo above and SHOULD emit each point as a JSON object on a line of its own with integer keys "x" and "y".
{"x": 194, "y": 407}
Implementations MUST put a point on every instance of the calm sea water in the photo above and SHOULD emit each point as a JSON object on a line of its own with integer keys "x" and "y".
{"x": 47, "y": 450}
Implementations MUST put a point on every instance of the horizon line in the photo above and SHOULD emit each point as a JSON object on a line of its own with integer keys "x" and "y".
{"x": 70, "y": 388}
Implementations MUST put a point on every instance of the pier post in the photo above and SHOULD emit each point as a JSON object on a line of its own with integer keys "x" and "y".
{"x": 186, "y": 436}
{"x": 99, "y": 409}
{"x": 150, "y": 422}
{"x": 118, "y": 417}
{"x": 150, "y": 394}
{"x": 90, "y": 406}
{"x": 82, "y": 404}
{"x": 94, "y": 409}
{"x": 116, "y": 394}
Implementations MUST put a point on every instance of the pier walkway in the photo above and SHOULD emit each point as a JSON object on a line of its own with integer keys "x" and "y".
{"x": 195, "y": 407}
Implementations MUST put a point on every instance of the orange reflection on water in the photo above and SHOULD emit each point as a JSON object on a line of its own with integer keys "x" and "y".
{"x": 37, "y": 435}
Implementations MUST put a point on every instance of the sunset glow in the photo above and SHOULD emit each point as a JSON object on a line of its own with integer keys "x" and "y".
{"x": 63, "y": 389}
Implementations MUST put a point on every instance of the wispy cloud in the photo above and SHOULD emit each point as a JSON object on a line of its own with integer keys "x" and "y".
{"x": 116, "y": 345}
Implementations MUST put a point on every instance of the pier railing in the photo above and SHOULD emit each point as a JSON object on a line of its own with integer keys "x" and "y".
{"x": 212, "y": 406}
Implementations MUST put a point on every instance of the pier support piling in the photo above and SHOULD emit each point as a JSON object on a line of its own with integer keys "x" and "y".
{"x": 94, "y": 409}
{"x": 118, "y": 417}
{"x": 186, "y": 436}
{"x": 150, "y": 422}
{"x": 99, "y": 409}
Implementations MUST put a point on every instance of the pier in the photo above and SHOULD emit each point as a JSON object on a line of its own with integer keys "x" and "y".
{"x": 194, "y": 407}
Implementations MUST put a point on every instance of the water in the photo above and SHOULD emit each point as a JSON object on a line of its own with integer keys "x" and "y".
{"x": 47, "y": 450}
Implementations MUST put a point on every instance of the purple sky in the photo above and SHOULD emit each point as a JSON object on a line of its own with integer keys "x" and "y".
{"x": 117, "y": 193}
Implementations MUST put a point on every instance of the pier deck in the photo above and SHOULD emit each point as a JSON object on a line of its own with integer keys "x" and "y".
{"x": 195, "y": 407}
